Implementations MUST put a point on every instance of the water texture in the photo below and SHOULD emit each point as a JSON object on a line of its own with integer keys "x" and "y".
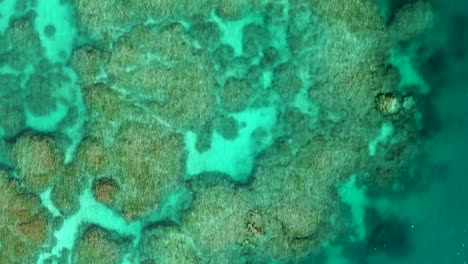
{"x": 259, "y": 131}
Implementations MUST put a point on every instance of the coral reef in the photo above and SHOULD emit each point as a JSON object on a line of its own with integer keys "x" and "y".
{"x": 24, "y": 223}
{"x": 97, "y": 246}
{"x": 260, "y": 110}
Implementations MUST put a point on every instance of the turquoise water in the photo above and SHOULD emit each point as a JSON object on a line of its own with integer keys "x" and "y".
{"x": 428, "y": 224}
{"x": 307, "y": 132}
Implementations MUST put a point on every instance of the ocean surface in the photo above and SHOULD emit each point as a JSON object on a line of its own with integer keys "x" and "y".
{"x": 243, "y": 132}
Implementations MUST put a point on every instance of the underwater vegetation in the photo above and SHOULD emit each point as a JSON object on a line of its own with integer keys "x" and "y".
{"x": 238, "y": 131}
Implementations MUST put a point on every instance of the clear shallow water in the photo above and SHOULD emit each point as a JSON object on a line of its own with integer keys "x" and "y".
{"x": 419, "y": 218}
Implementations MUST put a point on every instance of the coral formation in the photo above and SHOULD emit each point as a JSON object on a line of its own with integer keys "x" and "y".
{"x": 259, "y": 109}
{"x": 24, "y": 223}
{"x": 97, "y": 246}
